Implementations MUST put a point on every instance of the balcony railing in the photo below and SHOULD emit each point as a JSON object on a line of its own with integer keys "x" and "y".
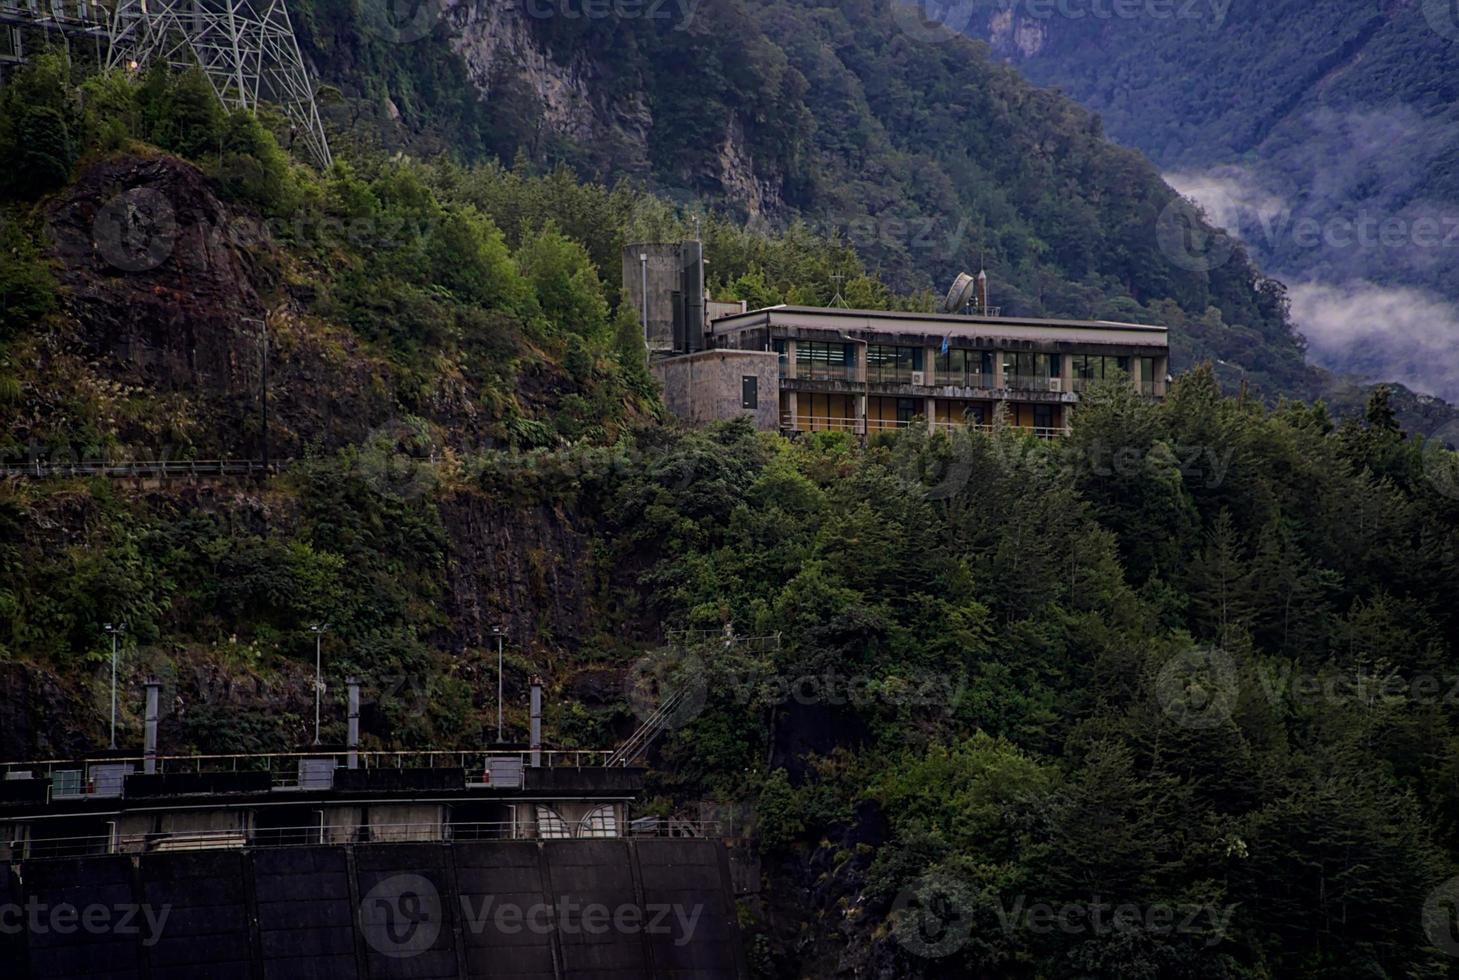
{"x": 816, "y": 371}
{"x": 802, "y": 423}
{"x": 962, "y": 379}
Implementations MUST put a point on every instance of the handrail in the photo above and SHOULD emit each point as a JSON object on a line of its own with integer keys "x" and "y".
{"x": 792, "y": 423}
{"x": 551, "y": 758}
{"x": 344, "y": 834}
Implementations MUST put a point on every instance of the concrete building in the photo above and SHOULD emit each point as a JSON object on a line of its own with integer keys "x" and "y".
{"x": 868, "y": 371}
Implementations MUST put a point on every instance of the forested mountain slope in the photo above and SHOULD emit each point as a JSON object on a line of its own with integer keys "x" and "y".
{"x": 926, "y": 155}
{"x": 1195, "y": 660}
{"x": 1325, "y": 133}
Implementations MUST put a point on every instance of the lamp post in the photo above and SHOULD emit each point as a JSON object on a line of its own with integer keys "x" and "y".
{"x": 496, "y": 631}
{"x": 115, "y": 631}
{"x": 318, "y": 631}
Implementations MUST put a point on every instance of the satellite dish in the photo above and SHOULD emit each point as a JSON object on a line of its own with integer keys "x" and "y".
{"x": 960, "y": 293}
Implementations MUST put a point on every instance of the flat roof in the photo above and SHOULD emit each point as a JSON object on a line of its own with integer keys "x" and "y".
{"x": 944, "y": 323}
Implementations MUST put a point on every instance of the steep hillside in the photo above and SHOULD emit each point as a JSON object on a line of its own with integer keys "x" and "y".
{"x": 928, "y": 157}
{"x": 1324, "y": 133}
{"x": 997, "y": 675}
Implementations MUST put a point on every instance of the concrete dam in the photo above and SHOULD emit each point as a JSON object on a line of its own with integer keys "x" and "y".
{"x": 532, "y": 909}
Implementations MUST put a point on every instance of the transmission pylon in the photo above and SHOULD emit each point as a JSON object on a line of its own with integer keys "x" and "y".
{"x": 245, "y": 48}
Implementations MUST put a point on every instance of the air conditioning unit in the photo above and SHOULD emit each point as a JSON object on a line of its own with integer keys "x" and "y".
{"x": 1056, "y": 384}
{"x": 919, "y": 378}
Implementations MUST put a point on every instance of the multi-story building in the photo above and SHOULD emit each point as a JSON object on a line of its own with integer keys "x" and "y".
{"x": 804, "y": 369}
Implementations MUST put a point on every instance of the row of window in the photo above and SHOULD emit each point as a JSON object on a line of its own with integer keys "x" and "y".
{"x": 817, "y": 361}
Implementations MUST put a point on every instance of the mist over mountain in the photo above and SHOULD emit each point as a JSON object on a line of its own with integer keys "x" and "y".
{"x": 1322, "y": 133}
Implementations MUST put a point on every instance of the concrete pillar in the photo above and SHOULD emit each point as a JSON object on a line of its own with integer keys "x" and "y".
{"x": 149, "y": 744}
{"x": 790, "y": 359}
{"x": 352, "y": 736}
{"x": 535, "y": 729}
{"x": 792, "y": 408}
{"x": 931, "y": 412}
{"x": 998, "y": 380}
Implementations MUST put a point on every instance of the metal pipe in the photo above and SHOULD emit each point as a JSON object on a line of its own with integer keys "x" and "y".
{"x": 149, "y": 738}
{"x": 643, "y": 294}
{"x": 535, "y": 730}
{"x": 352, "y": 736}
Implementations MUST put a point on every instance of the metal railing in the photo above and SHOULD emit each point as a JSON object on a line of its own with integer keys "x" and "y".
{"x": 141, "y": 469}
{"x": 799, "y": 423}
{"x": 314, "y": 835}
{"x": 283, "y": 766}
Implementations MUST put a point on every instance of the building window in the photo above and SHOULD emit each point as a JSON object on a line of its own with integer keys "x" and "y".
{"x": 1043, "y": 417}
{"x": 892, "y": 365}
{"x": 1032, "y": 371}
{"x": 781, "y": 346}
{"x": 749, "y": 391}
{"x": 1089, "y": 368}
{"x": 550, "y": 825}
{"x": 965, "y": 368}
{"x": 824, "y": 362}
{"x": 601, "y": 821}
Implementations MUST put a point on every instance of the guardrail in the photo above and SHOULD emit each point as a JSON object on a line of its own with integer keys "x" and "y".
{"x": 142, "y": 469}
{"x": 314, "y": 835}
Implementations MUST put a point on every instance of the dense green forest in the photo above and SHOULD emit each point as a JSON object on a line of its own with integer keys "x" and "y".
{"x": 1197, "y": 660}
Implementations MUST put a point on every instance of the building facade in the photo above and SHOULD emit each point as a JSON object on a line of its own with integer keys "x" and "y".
{"x": 869, "y": 371}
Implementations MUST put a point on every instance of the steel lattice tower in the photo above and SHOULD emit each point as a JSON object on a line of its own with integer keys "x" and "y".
{"x": 245, "y": 48}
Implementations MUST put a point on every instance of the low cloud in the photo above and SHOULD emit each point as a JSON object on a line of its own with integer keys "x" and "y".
{"x": 1381, "y": 333}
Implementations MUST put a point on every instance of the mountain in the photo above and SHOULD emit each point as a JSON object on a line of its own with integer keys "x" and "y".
{"x": 926, "y": 155}
{"x": 1324, "y": 132}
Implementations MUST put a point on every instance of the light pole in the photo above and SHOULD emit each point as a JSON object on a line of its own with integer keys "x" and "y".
{"x": 115, "y": 631}
{"x": 318, "y": 631}
{"x": 496, "y": 631}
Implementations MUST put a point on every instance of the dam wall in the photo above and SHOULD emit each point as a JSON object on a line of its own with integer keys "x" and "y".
{"x": 536, "y": 910}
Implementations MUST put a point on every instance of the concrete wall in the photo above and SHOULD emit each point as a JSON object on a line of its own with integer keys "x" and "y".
{"x": 707, "y": 386}
{"x": 554, "y": 910}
